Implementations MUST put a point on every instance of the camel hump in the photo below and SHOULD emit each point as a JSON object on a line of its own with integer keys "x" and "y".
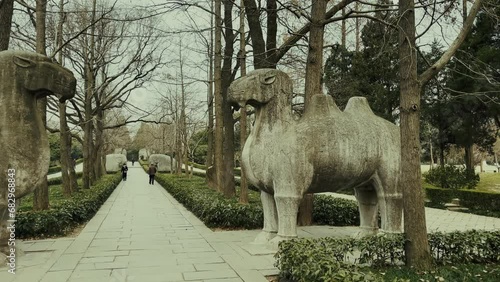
{"x": 358, "y": 104}
{"x": 322, "y": 105}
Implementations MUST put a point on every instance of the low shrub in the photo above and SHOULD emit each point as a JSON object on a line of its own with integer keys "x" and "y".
{"x": 324, "y": 259}
{"x": 452, "y": 177}
{"x": 210, "y": 206}
{"x": 67, "y": 214}
{"x": 328, "y": 210}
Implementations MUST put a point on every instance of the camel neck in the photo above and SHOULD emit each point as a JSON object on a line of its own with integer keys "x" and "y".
{"x": 273, "y": 117}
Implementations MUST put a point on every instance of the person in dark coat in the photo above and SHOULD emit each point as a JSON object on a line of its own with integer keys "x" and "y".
{"x": 124, "y": 172}
{"x": 152, "y": 171}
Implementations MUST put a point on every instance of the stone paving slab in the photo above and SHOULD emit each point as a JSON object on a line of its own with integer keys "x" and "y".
{"x": 142, "y": 233}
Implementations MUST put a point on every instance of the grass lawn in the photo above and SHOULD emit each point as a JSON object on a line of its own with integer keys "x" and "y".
{"x": 489, "y": 182}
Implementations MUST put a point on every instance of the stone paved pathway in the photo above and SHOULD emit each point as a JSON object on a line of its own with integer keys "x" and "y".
{"x": 142, "y": 234}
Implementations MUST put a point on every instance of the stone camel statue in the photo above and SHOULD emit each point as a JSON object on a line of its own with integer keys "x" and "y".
{"x": 326, "y": 150}
{"x": 25, "y": 77}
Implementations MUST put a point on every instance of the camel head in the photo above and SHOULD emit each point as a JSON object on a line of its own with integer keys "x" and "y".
{"x": 39, "y": 75}
{"x": 259, "y": 87}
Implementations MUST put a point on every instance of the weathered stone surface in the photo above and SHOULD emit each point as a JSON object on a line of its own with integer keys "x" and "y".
{"x": 114, "y": 162}
{"x": 143, "y": 154}
{"x": 326, "y": 150}
{"x": 24, "y": 78}
{"x": 164, "y": 163}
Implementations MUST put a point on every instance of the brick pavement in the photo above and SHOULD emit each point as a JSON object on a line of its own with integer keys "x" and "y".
{"x": 142, "y": 234}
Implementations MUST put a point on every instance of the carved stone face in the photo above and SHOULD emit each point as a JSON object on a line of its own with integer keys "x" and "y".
{"x": 257, "y": 87}
{"x": 50, "y": 78}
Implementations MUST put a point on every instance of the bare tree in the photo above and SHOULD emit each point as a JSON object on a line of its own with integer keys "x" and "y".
{"x": 243, "y": 110}
{"x": 219, "y": 118}
{"x": 68, "y": 175}
{"x": 416, "y": 243}
{"x": 134, "y": 59}
{"x": 41, "y": 193}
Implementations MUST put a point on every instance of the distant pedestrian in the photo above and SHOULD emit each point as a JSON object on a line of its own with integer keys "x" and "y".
{"x": 152, "y": 171}
{"x": 133, "y": 161}
{"x": 124, "y": 172}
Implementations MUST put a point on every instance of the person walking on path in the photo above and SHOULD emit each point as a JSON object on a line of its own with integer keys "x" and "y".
{"x": 152, "y": 172}
{"x": 124, "y": 172}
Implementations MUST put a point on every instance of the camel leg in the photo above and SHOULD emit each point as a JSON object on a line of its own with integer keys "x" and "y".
{"x": 391, "y": 204}
{"x": 368, "y": 210}
{"x": 4, "y": 235}
{"x": 270, "y": 218}
{"x": 288, "y": 207}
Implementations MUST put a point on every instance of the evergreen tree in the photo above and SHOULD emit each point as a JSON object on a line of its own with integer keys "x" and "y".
{"x": 437, "y": 118}
{"x": 475, "y": 86}
{"x": 371, "y": 73}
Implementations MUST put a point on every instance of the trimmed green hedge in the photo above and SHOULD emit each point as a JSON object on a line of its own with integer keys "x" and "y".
{"x": 210, "y": 206}
{"x": 328, "y": 210}
{"x": 58, "y": 180}
{"x": 216, "y": 211}
{"x": 475, "y": 200}
{"x": 54, "y": 169}
{"x": 61, "y": 218}
{"x": 331, "y": 259}
{"x": 57, "y": 168}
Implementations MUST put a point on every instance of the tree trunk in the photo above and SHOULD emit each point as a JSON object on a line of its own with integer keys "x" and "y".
{"x": 210, "y": 178}
{"x": 432, "y": 154}
{"x": 65, "y": 157}
{"x": 88, "y": 173}
{"x": 65, "y": 135}
{"x": 178, "y": 147}
{"x": 416, "y": 244}
{"x": 210, "y": 96}
{"x": 469, "y": 158}
{"x": 183, "y": 117}
{"x": 343, "y": 29}
{"x": 6, "y": 11}
{"x": 219, "y": 127}
{"x": 258, "y": 44}
{"x": 87, "y": 144}
{"x": 314, "y": 64}
{"x": 228, "y": 185}
{"x": 72, "y": 163}
{"x": 99, "y": 169}
{"x": 313, "y": 86}
{"x": 41, "y": 193}
{"x": 272, "y": 31}
{"x": 441, "y": 153}
{"x": 358, "y": 30}
{"x": 88, "y": 128}
{"x": 243, "y": 111}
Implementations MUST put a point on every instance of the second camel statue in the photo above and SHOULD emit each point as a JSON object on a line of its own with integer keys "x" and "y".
{"x": 326, "y": 150}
